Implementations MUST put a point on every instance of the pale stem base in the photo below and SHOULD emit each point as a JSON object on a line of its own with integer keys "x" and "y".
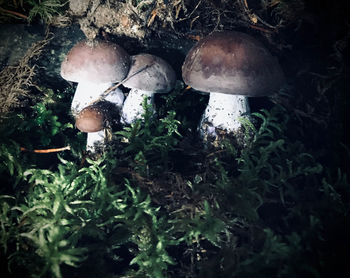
{"x": 223, "y": 111}
{"x": 95, "y": 141}
{"x": 132, "y": 108}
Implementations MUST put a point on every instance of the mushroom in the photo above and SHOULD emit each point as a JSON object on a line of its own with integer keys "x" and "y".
{"x": 93, "y": 120}
{"x": 231, "y": 66}
{"x": 148, "y": 75}
{"x": 95, "y": 66}
{"x": 90, "y": 119}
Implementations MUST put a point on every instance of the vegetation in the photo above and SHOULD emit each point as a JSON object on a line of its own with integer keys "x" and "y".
{"x": 31, "y": 10}
{"x": 268, "y": 209}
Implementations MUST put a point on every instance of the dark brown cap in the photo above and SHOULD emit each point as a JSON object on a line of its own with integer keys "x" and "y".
{"x": 98, "y": 62}
{"x": 90, "y": 119}
{"x": 232, "y": 63}
{"x": 157, "y": 75}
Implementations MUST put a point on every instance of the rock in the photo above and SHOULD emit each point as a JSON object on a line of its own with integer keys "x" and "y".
{"x": 119, "y": 20}
{"x": 88, "y": 29}
{"x": 15, "y": 40}
{"x": 79, "y": 7}
{"x": 115, "y": 19}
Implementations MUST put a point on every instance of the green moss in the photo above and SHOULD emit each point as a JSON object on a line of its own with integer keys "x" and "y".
{"x": 124, "y": 210}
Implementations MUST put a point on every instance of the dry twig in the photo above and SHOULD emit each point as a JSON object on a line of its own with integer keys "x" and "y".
{"x": 55, "y": 150}
{"x": 254, "y": 18}
{"x": 112, "y": 88}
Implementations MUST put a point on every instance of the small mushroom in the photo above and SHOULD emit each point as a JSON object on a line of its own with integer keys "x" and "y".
{"x": 231, "y": 66}
{"x": 90, "y": 119}
{"x": 95, "y": 66}
{"x": 94, "y": 120}
{"x": 148, "y": 75}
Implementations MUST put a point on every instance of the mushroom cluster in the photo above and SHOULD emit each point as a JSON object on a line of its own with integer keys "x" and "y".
{"x": 231, "y": 66}
{"x": 96, "y": 67}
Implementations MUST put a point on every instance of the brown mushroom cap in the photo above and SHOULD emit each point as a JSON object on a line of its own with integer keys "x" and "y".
{"x": 157, "y": 76}
{"x": 232, "y": 63}
{"x": 90, "y": 119}
{"x": 98, "y": 62}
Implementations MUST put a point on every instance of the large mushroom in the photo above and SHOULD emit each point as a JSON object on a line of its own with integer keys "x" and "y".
{"x": 148, "y": 75}
{"x": 231, "y": 66}
{"x": 95, "y": 66}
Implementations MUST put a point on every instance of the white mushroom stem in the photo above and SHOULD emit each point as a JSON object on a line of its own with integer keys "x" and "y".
{"x": 117, "y": 97}
{"x": 132, "y": 108}
{"x": 95, "y": 141}
{"x": 85, "y": 94}
{"x": 223, "y": 111}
